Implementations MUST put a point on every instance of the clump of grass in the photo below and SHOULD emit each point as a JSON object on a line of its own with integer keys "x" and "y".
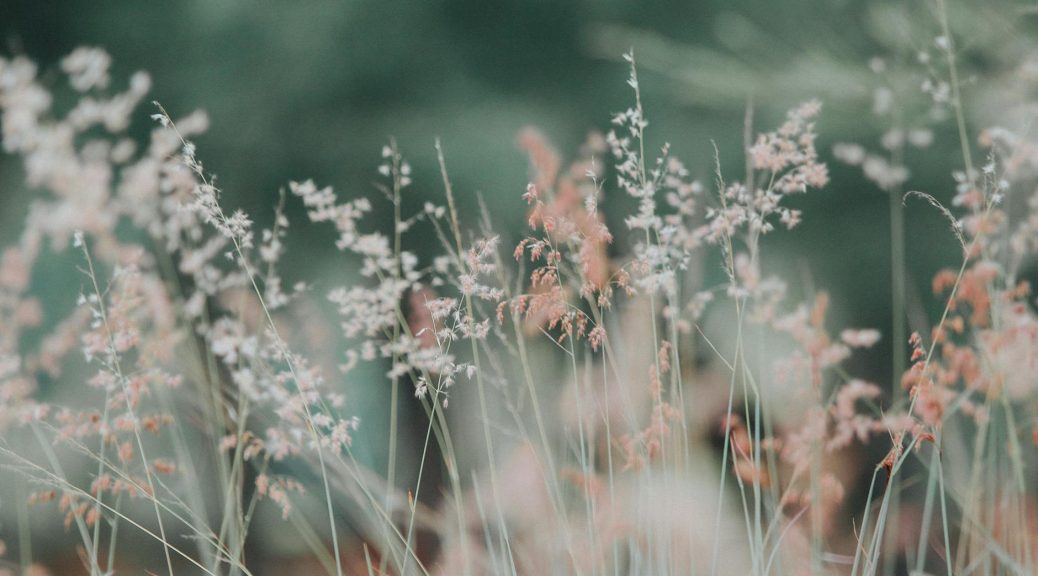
{"x": 564, "y": 406}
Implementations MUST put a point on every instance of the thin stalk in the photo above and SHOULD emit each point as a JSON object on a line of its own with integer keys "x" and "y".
{"x": 924, "y": 531}
{"x": 24, "y": 533}
{"x": 394, "y": 396}
{"x": 117, "y": 367}
{"x": 283, "y": 349}
{"x": 944, "y": 514}
{"x": 480, "y": 386}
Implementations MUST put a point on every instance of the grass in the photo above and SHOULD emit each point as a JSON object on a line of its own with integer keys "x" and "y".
{"x": 593, "y": 404}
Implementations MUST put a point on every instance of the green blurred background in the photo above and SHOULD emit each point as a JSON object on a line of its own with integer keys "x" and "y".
{"x": 313, "y": 89}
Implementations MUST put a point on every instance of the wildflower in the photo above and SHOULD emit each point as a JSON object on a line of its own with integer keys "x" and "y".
{"x": 860, "y": 338}
{"x": 87, "y": 68}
